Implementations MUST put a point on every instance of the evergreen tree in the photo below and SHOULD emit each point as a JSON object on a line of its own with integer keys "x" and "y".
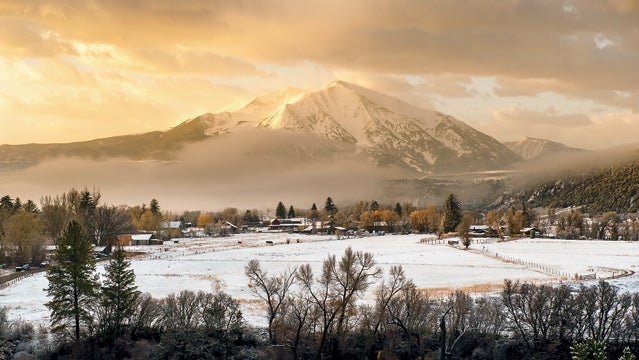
{"x": 280, "y": 211}
{"x": 30, "y": 207}
{"x": 589, "y": 349}
{"x": 451, "y": 215}
{"x": 72, "y": 283}
{"x": 154, "y": 206}
{"x": 6, "y": 203}
{"x": 119, "y": 295}
{"x": 398, "y": 209}
{"x": 374, "y": 206}
{"x": 627, "y": 354}
{"x": 330, "y": 207}
{"x": 17, "y": 205}
{"x": 6, "y": 210}
{"x": 291, "y": 212}
{"x": 313, "y": 215}
{"x": 87, "y": 204}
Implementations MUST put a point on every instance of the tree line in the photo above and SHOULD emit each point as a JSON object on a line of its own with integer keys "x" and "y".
{"x": 25, "y": 229}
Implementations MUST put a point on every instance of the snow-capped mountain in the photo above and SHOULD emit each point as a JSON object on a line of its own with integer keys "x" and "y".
{"x": 531, "y": 148}
{"x": 338, "y": 120}
{"x": 389, "y": 131}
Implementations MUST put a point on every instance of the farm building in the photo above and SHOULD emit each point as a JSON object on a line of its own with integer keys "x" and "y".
{"x": 530, "y": 232}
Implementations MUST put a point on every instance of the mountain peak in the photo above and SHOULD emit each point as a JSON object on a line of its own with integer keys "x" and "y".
{"x": 528, "y": 138}
{"x": 263, "y": 105}
{"x": 378, "y": 126}
{"x": 336, "y": 83}
{"x": 389, "y": 129}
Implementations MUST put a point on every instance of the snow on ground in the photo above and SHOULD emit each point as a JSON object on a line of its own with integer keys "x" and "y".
{"x": 211, "y": 264}
{"x": 571, "y": 256}
{"x": 605, "y": 259}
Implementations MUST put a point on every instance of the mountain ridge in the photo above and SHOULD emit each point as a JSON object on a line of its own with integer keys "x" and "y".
{"x": 530, "y": 148}
{"x": 389, "y": 130}
{"x": 385, "y": 129}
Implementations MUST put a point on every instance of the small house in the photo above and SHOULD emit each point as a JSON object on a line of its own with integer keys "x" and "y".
{"x": 530, "y": 232}
{"x": 227, "y": 228}
{"x": 274, "y": 224}
{"x": 478, "y": 229}
{"x": 294, "y": 224}
{"x": 172, "y": 229}
{"x": 142, "y": 239}
{"x": 377, "y": 227}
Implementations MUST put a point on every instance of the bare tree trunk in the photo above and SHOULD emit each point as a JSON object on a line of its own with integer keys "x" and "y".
{"x": 77, "y": 315}
{"x": 442, "y": 342}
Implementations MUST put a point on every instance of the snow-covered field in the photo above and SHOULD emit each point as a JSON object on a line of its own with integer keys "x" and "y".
{"x": 211, "y": 264}
{"x": 605, "y": 259}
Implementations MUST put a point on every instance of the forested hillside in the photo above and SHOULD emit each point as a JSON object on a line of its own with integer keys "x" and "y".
{"x": 614, "y": 188}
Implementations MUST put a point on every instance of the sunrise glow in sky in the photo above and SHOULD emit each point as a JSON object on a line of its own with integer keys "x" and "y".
{"x": 565, "y": 70}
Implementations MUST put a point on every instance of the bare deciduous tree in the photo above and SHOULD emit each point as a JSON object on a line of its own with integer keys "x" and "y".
{"x": 272, "y": 289}
{"x": 55, "y": 216}
{"x": 537, "y": 312}
{"x": 602, "y": 310}
{"x": 335, "y": 291}
{"x": 109, "y": 221}
{"x": 412, "y": 313}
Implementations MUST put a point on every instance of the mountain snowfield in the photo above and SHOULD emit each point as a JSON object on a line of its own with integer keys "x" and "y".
{"x": 386, "y": 129}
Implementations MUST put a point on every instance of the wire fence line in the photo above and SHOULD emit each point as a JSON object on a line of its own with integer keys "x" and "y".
{"x": 544, "y": 268}
{"x": 591, "y": 274}
{"x": 16, "y": 279}
{"x": 553, "y": 271}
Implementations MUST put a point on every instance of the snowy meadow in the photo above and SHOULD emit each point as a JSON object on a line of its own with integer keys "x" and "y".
{"x": 217, "y": 264}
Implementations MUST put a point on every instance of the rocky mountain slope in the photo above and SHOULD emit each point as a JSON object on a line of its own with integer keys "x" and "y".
{"x": 377, "y": 127}
{"x": 602, "y": 189}
{"x": 531, "y": 148}
{"x": 385, "y": 129}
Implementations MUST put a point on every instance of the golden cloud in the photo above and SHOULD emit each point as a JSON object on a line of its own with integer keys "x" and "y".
{"x": 120, "y": 49}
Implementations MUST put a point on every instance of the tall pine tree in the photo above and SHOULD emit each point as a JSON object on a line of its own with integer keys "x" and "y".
{"x": 72, "y": 283}
{"x": 119, "y": 296}
{"x": 329, "y": 206}
{"x": 398, "y": 209}
{"x": 280, "y": 211}
{"x": 154, "y": 207}
{"x": 452, "y": 214}
{"x": 313, "y": 215}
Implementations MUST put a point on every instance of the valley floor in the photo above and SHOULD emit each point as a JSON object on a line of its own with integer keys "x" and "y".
{"x": 211, "y": 264}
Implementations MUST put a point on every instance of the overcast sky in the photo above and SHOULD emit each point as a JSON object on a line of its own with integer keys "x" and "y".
{"x": 78, "y": 69}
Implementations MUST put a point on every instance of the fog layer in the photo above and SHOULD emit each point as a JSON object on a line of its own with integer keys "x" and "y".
{"x": 248, "y": 169}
